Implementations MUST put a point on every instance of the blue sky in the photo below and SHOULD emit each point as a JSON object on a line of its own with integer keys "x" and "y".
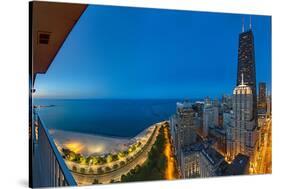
{"x": 121, "y": 52}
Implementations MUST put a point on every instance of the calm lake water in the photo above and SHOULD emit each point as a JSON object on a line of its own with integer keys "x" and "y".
{"x": 120, "y": 118}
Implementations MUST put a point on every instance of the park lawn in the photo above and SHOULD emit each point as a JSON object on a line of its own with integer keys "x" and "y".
{"x": 154, "y": 167}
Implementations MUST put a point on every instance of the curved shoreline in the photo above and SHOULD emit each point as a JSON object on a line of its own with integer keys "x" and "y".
{"x": 105, "y": 173}
{"x": 86, "y": 179}
{"x": 91, "y": 144}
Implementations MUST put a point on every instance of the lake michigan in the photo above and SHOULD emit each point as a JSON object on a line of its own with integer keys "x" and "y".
{"x": 106, "y": 117}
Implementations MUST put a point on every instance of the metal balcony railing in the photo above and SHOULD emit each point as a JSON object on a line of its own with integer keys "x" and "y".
{"x": 50, "y": 164}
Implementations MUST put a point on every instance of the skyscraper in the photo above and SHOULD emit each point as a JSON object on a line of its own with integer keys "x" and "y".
{"x": 246, "y": 63}
{"x": 182, "y": 127}
{"x": 262, "y": 97}
{"x": 241, "y": 133}
{"x": 210, "y": 115}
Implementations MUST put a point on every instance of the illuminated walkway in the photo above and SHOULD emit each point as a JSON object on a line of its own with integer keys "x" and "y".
{"x": 83, "y": 179}
{"x": 170, "y": 169}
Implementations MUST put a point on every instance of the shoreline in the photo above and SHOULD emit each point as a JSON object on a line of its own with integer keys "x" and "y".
{"x": 92, "y": 134}
{"x": 95, "y": 144}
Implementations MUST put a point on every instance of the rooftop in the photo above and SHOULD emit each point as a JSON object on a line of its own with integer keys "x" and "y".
{"x": 239, "y": 165}
{"x": 212, "y": 155}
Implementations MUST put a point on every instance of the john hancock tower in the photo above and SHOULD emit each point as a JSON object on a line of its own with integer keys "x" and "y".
{"x": 246, "y": 63}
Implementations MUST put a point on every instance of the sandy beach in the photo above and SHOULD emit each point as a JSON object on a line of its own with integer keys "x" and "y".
{"x": 89, "y": 144}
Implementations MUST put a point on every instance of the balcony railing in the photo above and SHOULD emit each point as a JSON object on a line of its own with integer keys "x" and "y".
{"x": 50, "y": 164}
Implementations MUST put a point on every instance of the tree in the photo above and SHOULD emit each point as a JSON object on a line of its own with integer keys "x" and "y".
{"x": 83, "y": 170}
{"x": 100, "y": 171}
{"x": 132, "y": 148}
{"x": 121, "y": 155}
{"x": 74, "y": 168}
{"x": 132, "y": 171}
{"x": 80, "y": 159}
{"x": 115, "y": 157}
{"x": 91, "y": 170}
{"x": 95, "y": 160}
{"x": 71, "y": 156}
{"x": 137, "y": 168}
{"x": 115, "y": 166}
{"x": 122, "y": 163}
{"x": 101, "y": 160}
{"x": 123, "y": 177}
{"x": 109, "y": 158}
{"x": 138, "y": 144}
{"x": 68, "y": 154}
{"x": 96, "y": 181}
{"x": 154, "y": 167}
{"x": 107, "y": 169}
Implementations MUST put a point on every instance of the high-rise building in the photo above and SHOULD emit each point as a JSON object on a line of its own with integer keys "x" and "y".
{"x": 210, "y": 116}
{"x": 227, "y": 119}
{"x": 208, "y": 119}
{"x": 242, "y": 132}
{"x": 183, "y": 130}
{"x": 226, "y": 103}
{"x": 207, "y": 101}
{"x": 246, "y": 64}
{"x": 200, "y": 160}
{"x": 262, "y": 98}
{"x": 268, "y": 105}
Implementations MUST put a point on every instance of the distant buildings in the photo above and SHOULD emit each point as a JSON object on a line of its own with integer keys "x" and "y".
{"x": 262, "y": 97}
{"x": 210, "y": 115}
{"x": 221, "y": 138}
{"x": 226, "y": 103}
{"x": 196, "y": 157}
{"x": 182, "y": 126}
{"x": 268, "y": 105}
{"x": 198, "y": 108}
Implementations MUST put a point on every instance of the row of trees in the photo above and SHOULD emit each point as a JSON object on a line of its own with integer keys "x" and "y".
{"x": 149, "y": 171}
{"x": 98, "y": 160}
{"x": 154, "y": 167}
{"x": 100, "y": 170}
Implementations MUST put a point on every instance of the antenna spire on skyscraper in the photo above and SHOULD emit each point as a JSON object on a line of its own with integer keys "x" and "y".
{"x": 242, "y": 79}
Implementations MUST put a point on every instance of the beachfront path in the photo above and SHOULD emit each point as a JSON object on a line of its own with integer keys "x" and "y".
{"x": 82, "y": 179}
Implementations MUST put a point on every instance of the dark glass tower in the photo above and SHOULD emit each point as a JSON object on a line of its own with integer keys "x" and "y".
{"x": 246, "y": 63}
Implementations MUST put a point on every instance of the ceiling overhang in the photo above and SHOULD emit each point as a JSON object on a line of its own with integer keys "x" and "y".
{"x": 50, "y": 25}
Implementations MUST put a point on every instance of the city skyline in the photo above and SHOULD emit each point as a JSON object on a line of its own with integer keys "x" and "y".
{"x": 174, "y": 68}
{"x": 166, "y": 95}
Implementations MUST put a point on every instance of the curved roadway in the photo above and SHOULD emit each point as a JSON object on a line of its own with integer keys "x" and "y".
{"x": 83, "y": 179}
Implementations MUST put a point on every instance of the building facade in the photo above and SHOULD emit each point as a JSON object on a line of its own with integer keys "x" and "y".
{"x": 183, "y": 128}
{"x": 242, "y": 132}
{"x": 268, "y": 105}
{"x": 210, "y": 118}
{"x": 262, "y": 96}
{"x": 199, "y": 160}
{"x": 246, "y": 65}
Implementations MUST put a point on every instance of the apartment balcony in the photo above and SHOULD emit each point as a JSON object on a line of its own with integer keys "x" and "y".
{"x": 49, "y": 26}
{"x": 49, "y": 168}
